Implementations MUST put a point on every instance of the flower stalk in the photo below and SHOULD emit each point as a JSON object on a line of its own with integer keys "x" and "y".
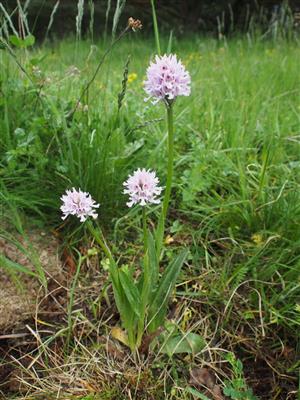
{"x": 170, "y": 159}
{"x": 166, "y": 201}
{"x": 145, "y": 229}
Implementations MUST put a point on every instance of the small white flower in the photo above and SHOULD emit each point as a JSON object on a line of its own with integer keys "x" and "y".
{"x": 142, "y": 188}
{"x": 36, "y": 71}
{"x": 73, "y": 71}
{"x": 78, "y": 203}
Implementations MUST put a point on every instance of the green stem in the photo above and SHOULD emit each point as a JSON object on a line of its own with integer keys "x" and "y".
{"x": 145, "y": 229}
{"x": 170, "y": 160}
{"x": 166, "y": 201}
{"x": 86, "y": 88}
{"x": 155, "y": 25}
{"x": 145, "y": 277}
{"x": 98, "y": 236}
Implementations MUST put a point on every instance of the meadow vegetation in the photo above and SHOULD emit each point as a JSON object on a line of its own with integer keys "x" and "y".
{"x": 235, "y": 205}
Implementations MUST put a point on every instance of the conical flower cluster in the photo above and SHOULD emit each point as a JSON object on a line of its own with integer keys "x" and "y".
{"x": 167, "y": 79}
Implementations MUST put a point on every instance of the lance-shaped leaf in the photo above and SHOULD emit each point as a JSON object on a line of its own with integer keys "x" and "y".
{"x": 15, "y": 267}
{"x": 159, "y": 304}
{"x": 150, "y": 272}
{"x": 130, "y": 289}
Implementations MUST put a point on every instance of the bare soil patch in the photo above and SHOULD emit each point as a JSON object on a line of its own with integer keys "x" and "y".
{"x": 19, "y": 296}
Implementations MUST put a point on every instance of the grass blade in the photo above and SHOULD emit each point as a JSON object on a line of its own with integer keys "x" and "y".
{"x": 155, "y": 26}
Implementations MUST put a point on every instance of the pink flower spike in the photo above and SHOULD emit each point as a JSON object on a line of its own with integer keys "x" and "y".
{"x": 142, "y": 188}
{"x": 78, "y": 203}
{"x": 167, "y": 79}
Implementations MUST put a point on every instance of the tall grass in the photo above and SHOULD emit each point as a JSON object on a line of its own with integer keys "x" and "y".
{"x": 51, "y": 19}
{"x": 79, "y": 17}
{"x": 92, "y": 17}
{"x": 11, "y": 223}
{"x": 118, "y": 12}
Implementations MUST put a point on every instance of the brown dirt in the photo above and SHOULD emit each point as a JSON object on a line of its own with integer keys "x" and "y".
{"x": 19, "y": 294}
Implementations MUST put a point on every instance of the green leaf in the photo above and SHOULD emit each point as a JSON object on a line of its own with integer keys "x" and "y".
{"x": 153, "y": 260}
{"x": 37, "y": 60}
{"x": 169, "y": 48}
{"x": 13, "y": 266}
{"x": 147, "y": 282}
{"x": 197, "y": 394}
{"x": 151, "y": 270}
{"x": 190, "y": 343}
{"x": 130, "y": 290}
{"x": 158, "y": 306}
{"x": 21, "y": 43}
{"x": 29, "y": 41}
{"x": 15, "y": 40}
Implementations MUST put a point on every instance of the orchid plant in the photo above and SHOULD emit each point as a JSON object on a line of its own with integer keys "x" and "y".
{"x": 142, "y": 302}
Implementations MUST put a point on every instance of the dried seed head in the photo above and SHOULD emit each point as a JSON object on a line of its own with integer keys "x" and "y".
{"x": 134, "y": 24}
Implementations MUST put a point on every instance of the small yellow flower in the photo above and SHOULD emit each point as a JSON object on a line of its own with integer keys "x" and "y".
{"x": 132, "y": 77}
{"x": 194, "y": 56}
{"x": 257, "y": 239}
{"x": 169, "y": 239}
